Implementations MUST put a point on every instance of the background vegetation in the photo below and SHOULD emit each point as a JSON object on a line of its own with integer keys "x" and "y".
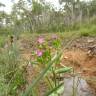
{"x": 32, "y": 18}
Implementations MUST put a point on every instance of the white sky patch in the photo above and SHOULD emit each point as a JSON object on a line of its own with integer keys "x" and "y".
{"x": 9, "y": 4}
{"x": 55, "y": 3}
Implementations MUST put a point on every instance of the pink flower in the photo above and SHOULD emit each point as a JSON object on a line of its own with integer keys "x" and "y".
{"x": 39, "y": 53}
{"x": 40, "y": 40}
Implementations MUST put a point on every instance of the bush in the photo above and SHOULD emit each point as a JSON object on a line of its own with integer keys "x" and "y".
{"x": 84, "y": 34}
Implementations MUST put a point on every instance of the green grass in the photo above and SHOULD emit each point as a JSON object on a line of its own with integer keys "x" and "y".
{"x": 11, "y": 76}
{"x": 84, "y": 30}
{"x": 88, "y": 31}
{"x": 2, "y": 41}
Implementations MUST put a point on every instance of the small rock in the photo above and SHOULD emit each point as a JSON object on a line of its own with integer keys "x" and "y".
{"x": 90, "y": 40}
{"x": 80, "y": 86}
{"x": 65, "y": 57}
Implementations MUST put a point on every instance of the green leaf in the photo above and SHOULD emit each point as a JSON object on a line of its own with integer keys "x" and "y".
{"x": 41, "y": 75}
{"x": 55, "y": 91}
{"x": 63, "y": 70}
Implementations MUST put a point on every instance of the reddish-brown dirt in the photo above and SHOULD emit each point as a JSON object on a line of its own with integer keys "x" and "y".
{"x": 76, "y": 56}
{"x": 82, "y": 63}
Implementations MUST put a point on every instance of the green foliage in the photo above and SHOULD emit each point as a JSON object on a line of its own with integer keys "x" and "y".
{"x": 2, "y": 85}
{"x": 12, "y": 76}
{"x": 37, "y": 7}
{"x": 56, "y": 43}
{"x": 55, "y": 91}
{"x": 1, "y": 4}
{"x": 63, "y": 70}
{"x": 33, "y": 84}
{"x": 17, "y": 83}
{"x": 88, "y": 30}
{"x": 77, "y": 17}
{"x": 44, "y": 50}
{"x": 47, "y": 61}
{"x": 84, "y": 33}
{"x": 2, "y": 41}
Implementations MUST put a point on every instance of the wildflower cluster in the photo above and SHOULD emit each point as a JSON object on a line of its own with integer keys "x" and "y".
{"x": 44, "y": 50}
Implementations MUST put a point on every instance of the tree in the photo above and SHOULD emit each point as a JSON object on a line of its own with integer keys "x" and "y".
{"x": 2, "y": 5}
{"x": 2, "y": 15}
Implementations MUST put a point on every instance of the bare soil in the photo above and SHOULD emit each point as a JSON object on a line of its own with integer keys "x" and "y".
{"x": 81, "y": 55}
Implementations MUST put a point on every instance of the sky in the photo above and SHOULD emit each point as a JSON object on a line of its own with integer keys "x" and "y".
{"x": 8, "y": 4}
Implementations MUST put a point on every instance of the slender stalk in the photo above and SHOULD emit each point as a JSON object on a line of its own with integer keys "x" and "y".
{"x": 54, "y": 77}
{"x": 50, "y": 84}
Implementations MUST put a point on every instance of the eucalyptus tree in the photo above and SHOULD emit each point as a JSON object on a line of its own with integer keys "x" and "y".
{"x": 2, "y": 15}
{"x": 2, "y": 5}
{"x": 20, "y": 17}
{"x": 28, "y": 12}
{"x": 40, "y": 14}
{"x": 93, "y": 8}
{"x": 69, "y": 8}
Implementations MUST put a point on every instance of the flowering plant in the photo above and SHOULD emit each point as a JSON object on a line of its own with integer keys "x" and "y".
{"x": 43, "y": 52}
{"x": 48, "y": 56}
{"x": 46, "y": 49}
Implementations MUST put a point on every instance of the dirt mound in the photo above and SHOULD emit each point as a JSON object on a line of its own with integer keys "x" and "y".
{"x": 84, "y": 42}
{"x": 82, "y": 63}
{"x": 77, "y": 55}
